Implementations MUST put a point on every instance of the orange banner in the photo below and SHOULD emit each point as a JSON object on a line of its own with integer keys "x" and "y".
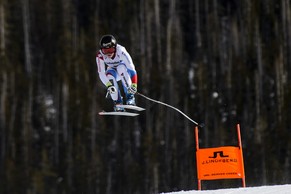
{"x": 219, "y": 163}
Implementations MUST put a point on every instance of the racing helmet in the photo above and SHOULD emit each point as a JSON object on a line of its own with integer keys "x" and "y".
{"x": 107, "y": 41}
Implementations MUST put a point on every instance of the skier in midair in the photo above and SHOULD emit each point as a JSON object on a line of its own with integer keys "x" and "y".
{"x": 115, "y": 64}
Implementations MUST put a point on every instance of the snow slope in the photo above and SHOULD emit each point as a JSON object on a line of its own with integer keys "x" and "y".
{"x": 276, "y": 189}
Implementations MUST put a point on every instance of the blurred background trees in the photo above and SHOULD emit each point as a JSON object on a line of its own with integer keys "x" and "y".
{"x": 220, "y": 61}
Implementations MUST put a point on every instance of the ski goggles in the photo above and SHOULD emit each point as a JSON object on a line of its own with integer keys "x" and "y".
{"x": 108, "y": 50}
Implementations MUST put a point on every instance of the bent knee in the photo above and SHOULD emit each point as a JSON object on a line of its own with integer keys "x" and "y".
{"x": 121, "y": 69}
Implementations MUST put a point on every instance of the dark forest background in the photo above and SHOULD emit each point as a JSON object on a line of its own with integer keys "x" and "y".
{"x": 222, "y": 62}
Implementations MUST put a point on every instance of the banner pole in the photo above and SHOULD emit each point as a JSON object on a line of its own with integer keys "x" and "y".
{"x": 241, "y": 152}
{"x": 197, "y": 139}
{"x": 197, "y": 160}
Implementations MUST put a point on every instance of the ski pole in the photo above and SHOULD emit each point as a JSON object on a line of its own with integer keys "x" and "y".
{"x": 159, "y": 102}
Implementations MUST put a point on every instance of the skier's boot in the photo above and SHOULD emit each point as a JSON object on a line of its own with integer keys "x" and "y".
{"x": 118, "y": 109}
{"x": 130, "y": 100}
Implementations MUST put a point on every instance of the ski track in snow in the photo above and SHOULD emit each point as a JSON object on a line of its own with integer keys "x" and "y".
{"x": 275, "y": 189}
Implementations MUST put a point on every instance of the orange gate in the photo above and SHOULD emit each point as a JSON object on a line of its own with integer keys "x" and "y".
{"x": 220, "y": 162}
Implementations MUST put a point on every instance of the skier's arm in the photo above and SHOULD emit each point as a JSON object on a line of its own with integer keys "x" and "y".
{"x": 130, "y": 66}
{"x": 101, "y": 70}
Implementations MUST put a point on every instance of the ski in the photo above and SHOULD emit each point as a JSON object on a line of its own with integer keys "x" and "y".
{"x": 130, "y": 114}
{"x": 131, "y": 107}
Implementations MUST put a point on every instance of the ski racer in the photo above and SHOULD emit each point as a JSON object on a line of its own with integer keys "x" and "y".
{"x": 114, "y": 64}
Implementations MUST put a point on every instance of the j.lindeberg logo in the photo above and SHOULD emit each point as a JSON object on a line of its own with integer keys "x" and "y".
{"x": 218, "y": 157}
{"x": 220, "y": 153}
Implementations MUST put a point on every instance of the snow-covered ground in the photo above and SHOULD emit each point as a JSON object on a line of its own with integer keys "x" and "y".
{"x": 276, "y": 189}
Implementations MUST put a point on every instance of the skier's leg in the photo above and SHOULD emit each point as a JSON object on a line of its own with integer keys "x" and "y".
{"x": 126, "y": 82}
{"x": 122, "y": 71}
{"x": 116, "y": 97}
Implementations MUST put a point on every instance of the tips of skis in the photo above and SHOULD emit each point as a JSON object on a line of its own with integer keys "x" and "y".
{"x": 130, "y": 114}
{"x": 124, "y": 113}
{"x": 131, "y": 107}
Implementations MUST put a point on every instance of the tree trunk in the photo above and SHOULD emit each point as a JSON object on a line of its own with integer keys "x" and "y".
{"x": 26, "y": 29}
{"x": 2, "y": 31}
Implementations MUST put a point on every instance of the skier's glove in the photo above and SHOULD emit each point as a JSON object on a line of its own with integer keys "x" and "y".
{"x": 132, "y": 89}
{"x": 111, "y": 89}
